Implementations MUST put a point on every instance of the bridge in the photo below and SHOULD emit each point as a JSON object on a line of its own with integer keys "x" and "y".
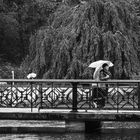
{"x": 77, "y": 102}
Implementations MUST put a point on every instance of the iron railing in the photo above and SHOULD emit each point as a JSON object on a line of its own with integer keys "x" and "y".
{"x": 70, "y": 94}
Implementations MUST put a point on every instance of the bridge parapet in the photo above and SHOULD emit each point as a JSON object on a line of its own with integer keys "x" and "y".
{"x": 70, "y": 94}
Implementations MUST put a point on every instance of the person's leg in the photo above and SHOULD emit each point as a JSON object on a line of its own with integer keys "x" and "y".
{"x": 102, "y": 97}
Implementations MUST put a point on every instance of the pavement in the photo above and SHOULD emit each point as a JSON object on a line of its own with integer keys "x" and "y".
{"x": 35, "y": 110}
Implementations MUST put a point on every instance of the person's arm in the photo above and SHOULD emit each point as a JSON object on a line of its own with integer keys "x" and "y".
{"x": 108, "y": 73}
{"x": 102, "y": 77}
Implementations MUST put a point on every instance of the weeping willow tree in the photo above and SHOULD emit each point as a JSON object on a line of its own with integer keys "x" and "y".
{"x": 84, "y": 32}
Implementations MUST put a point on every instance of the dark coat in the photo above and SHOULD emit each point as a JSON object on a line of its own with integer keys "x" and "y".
{"x": 103, "y": 75}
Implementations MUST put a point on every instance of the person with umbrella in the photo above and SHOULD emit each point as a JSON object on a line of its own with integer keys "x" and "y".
{"x": 99, "y": 92}
{"x": 101, "y": 69}
{"x": 103, "y": 76}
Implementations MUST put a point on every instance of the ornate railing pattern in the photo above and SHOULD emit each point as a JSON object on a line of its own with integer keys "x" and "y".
{"x": 70, "y": 94}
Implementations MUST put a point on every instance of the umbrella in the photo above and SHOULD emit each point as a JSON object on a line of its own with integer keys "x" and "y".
{"x": 98, "y": 66}
{"x": 31, "y": 75}
{"x": 99, "y": 63}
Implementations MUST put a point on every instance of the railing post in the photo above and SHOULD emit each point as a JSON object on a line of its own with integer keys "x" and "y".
{"x": 11, "y": 101}
{"x": 40, "y": 97}
{"x": 117, "y": 99}
{"x": 31, "y": 97}
{"x": 138, "y": 93}
{"x": 74, "y": 97}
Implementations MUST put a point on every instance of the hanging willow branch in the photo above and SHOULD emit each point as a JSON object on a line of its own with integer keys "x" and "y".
{"x": 86, "y": 32}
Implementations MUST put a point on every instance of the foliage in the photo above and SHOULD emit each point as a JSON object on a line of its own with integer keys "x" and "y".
{"x": 61, "y": 40}
{"x": 9, "y": 36}
{"x": 88, "y": 31}
{"x": 6, "y": 71}
{"x": 19, "y": 19}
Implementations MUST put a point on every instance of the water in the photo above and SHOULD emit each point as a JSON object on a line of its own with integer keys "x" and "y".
{"x": 109, "y": 131}
{"x": 70, "y": 136}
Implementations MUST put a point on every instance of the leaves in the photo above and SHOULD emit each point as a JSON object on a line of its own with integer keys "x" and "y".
{"x": 85, "y": 32}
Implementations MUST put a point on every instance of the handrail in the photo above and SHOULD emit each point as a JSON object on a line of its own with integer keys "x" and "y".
{"x": 68, "y": 81}
{"x": 79, "y": 94}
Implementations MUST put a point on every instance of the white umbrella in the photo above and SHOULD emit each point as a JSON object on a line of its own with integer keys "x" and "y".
{"x": 31, "y": 75}
{"x": 96, "y": 73}
{"x": 99, "y": 63}
{"x": 98, "y": 66}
